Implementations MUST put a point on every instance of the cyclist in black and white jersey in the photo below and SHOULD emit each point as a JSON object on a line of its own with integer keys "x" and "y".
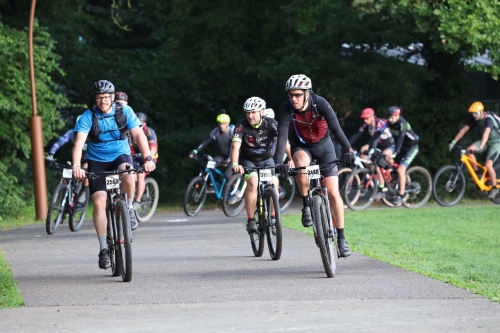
{"x": 252, "y": 147}
{"x": 406, "y": 146}
{"x": 222, "y": 134}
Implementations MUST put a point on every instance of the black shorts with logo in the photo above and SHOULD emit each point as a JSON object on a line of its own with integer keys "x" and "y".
{"x": 322, "y": 152}
{"x": 99, "y": 184}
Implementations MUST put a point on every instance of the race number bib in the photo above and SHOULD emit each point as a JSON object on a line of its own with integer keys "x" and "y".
{"x": 67, "y": 173}
{"x": 112, "y": 182}
{"x": 313, "y": 172}
{"x": 211, "y": 165}
{"x": 265, "y": 175}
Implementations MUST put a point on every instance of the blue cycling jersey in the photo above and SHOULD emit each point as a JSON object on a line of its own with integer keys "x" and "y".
{"x": 112, "y": 146}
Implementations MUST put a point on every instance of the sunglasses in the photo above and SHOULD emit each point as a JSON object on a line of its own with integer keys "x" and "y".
{"x": 298, "y": 95}
{"x": 475, "y": 114}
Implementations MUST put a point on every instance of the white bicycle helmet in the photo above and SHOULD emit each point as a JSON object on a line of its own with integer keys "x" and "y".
{"x": 254, "y": 104}
{"x": 298, "y": 81}
{"x": 269, "y": 113}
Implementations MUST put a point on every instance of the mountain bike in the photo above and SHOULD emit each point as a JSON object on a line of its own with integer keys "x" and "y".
{"x": 345, "y": 172}
{"x": 69, "y": 197}
{"x": 149, "y": 199}
{"x": 267, "y": 203}
{"x": 450, "y": 184}
{"x": 119, "y": 230}
{"x": 362, "y": 185}
{"x": 325, "y": 233}
{"x": 211, "y": 180}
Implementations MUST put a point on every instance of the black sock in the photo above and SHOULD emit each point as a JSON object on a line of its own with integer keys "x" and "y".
{"x": 340, "y": 233}
{"x": 305, "y": 200}
{"x": 251, "y": 219}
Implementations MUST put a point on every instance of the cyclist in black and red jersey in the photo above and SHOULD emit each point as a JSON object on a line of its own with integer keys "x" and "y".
{"x": 310, "y": 117}
{"x": 252, "y": 145}
{"x": 386, "y": 142}
{"x": 406, "y": 146}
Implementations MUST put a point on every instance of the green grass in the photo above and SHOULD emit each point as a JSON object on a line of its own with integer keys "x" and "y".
{"x": 457, "y": 245}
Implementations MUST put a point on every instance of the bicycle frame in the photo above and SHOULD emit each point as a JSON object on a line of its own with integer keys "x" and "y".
{"x": 209, "y": 173}
{"x": 468, "y": 162}
{"x": 315, "y": 188}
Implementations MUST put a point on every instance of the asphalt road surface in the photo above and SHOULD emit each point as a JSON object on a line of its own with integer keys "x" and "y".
{"x": 198, "y": 274}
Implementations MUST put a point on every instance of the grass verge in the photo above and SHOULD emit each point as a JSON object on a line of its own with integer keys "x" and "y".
{"x": 9, "y": 295}
{"x": 457, "y": 245}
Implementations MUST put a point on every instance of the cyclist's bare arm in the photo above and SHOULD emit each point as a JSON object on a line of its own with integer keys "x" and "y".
{"x": 80, "y": 139}
{"x": 235, "y": 156}
{"x": 461, "y": 133}
{"x": 139, "y": 137}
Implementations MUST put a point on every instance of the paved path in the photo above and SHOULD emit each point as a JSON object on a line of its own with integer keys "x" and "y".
{"x": 199, "y": 275}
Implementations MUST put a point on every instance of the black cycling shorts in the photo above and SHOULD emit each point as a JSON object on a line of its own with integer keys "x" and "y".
{"x": 99, "y": 184}
{"x": 322, "y": 152}
{"x": 251, "y": 164}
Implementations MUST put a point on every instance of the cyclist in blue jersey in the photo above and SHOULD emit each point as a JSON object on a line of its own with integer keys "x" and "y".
{"x": 105, "y": 125}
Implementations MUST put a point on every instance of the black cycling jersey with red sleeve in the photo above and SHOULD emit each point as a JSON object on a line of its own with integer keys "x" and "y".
{"x": 256, "y": 141}
{"x": 386, "y": 139}
{"x": 401, "y": 131}
{"x": 309, "y": 126}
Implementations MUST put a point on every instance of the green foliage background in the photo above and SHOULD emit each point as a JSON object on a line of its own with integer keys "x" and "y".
{"x": 181, "y": 61}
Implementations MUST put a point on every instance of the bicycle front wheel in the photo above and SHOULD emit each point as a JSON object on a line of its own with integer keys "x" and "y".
{"x": 448, "y": 186}
{"x": 273, "y": 226}
{"x": 257, "y": 238}
{"x": 149, "y": 200}
{"x": 124, "y": 240}
{"x": 55, "y": 215}
{"x": 114, "y": 252}
{"x": 232, "y": 197}
{"x": 195, "y": 195}
{"x": 360, "y": 189}
{"x": 286, "y": 191}
{"x": 418, "y": 187}
{"x": 77, "y": 213}
{"x": 344, "y": 173}
{"x": 318, "y": 224}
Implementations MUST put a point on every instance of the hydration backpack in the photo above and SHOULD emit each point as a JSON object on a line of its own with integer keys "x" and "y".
{"x": 121, "y": 122}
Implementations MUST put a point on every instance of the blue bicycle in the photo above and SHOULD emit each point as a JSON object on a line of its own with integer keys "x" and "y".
{"x": 210, "y": 180}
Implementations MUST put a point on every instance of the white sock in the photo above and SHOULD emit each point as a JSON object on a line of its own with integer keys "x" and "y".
{"x": 102, "y": 242}
{"x": 130, "y": 203}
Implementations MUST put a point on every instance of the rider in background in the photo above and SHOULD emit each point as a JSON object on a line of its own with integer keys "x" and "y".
{"x": 386, "y": 142}
{"x": 223, "y": 135}
{"x": 485, "y": 122}
{"x": 252, "y": 147}
{"x": 67, "y": 137}
{"x": 310, "y": 117}
{"x": 406, "y": 146}
{"x": 139, "y": 160}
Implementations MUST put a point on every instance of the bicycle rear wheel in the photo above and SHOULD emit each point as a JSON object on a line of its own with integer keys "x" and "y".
{"x": 77, "y": 213}
{"x": 195, "y": 195}
{"x": 360, "y": 189}
{"x": 274, "y": 239}
{"x": 318, "y": 223}
{"x": 149, "y": 200}
{"x": 418, "y": 187}
{"x": 448, "y": 186}
{"x": 124, "y": 240}
{"x": 257, "y": 238}
{"x": 286, "y": 191}
{"x": 55, "y": 215}
{"x": 114, "y": 252}
{"x": 232, "y": 196}
{"x": 344, "y": 173}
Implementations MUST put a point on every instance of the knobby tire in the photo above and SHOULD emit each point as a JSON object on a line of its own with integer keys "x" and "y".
{"x": 55, "y": 215}
{"x": 197, "y": 192}
{"x": 231, "y": 190}
{"x": 125, "y": 239}
{"x": 319, "y": 234}
{"x": 274, "y": 242}
{"x": 448, "y": 186}
{"x": 77, "y": 213}
{"x": 149, "y": 200}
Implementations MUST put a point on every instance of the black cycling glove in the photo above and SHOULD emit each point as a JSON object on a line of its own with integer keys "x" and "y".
{"x": 347, "y": 158}
{"x": 282, "y": 169}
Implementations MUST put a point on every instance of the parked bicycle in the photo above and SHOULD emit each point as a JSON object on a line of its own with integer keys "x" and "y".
{"x": 69, "y": 198}
{"x": 325, "y": 233}
{"x": 149, "y": 199}
{"x": 362, "y": 185}
{"x": 450, "y": 183}
{"x": 119, "y": 230}
{"x": 211, "y": 180}
{"x": 267, "y": 204}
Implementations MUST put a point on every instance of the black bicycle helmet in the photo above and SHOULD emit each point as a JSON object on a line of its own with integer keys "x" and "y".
{"x": 103, "y": 87}
{"x": 121, "y": 96}
{"x": 393, "y": 111}
{"x": 142, "y": 116}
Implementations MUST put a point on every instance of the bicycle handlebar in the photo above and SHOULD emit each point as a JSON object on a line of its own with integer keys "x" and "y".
{"x": 95, "y": 175}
